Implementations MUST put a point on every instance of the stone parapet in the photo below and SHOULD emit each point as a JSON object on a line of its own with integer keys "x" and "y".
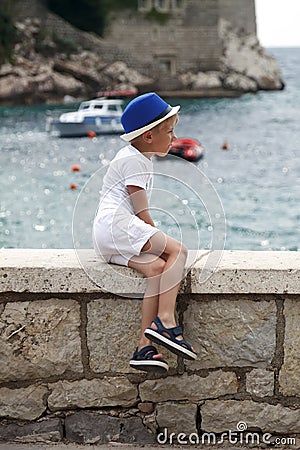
{"x": 65, "y": 343}
{"x": 67, "y": 270}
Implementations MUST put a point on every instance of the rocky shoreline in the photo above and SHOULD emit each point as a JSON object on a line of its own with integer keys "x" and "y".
{"x": 42, "y": 73}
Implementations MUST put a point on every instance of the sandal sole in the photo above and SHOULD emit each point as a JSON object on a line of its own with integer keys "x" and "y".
{"x": 150, "y": 366}
{"x": 170, "y": 345}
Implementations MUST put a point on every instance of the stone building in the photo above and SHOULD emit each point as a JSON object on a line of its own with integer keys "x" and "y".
{"x": 176, "y": 36}
{"x": 196, "y": 48}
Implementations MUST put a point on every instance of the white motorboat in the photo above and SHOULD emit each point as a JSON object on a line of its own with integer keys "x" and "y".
{"x": 97, "y": 116}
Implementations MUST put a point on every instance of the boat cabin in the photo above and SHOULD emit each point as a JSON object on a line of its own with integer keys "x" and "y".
{"x": 105, "y": 105}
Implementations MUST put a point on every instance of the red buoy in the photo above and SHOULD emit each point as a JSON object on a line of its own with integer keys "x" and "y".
{"x": 91, "y": 134}
{"x": 73, "y": 186}
{"x": 75, "y": 168}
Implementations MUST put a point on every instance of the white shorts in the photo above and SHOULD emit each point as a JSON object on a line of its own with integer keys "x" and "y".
{"x": 117, "y": 238}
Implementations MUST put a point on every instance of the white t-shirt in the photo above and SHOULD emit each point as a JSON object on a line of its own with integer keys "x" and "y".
{"x": 118, "y": 234}
{"x": 129, "y": 167}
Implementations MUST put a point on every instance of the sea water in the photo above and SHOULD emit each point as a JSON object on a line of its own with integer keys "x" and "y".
{"x": 245, "y": 197}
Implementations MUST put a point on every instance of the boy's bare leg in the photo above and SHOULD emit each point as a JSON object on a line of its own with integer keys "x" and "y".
{"x": 164, "y": 275}
{"x": 149, "y": 312}
{"x": 169, "y": 286}
{"x": 174, "y": 254}
{"x": 151, "y": 267}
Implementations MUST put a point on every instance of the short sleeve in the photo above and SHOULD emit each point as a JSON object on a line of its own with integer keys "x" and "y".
{"x": 136, "y": 173}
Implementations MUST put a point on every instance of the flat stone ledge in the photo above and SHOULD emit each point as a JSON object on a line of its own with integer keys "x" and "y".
{"x": 262, "y": 272}
{"x": 227, "y": 272}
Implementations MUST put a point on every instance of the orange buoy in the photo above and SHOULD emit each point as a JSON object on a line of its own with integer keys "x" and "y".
{"x": 225, "y": 146}
{"x": 75, "y": 168}
{"x": 91, "y": 134}
{"x": 73, "y": 186}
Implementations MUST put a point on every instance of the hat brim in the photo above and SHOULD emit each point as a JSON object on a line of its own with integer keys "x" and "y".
{"x": 133, "y": 134}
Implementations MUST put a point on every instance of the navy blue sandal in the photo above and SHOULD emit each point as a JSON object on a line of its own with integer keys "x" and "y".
{"x": 143, "y": 360}
{"x": 168, "y": 338}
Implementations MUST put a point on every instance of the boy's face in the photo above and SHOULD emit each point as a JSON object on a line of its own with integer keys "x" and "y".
{"x": 163, "y": 136}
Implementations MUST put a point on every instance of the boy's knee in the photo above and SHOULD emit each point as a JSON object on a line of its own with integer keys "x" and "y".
{"x": 184, "y": 251}
{"x": 181, "y": 250}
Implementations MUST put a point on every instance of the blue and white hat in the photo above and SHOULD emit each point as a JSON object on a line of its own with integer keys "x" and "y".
{"x": 143, "y": 113}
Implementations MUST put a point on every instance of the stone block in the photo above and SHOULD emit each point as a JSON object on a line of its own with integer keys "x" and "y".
{"x": 244, "y": 272}
{"x": 117, "y": 279}
{"x": 39, "y": 339}
{"x": 24, "y": 403}
{"x": 229, "y": 333}
{"x": 112, "y": 334}
{"x": 45, "y": 270}
{"x": 95, "y": 393}
{"x": 146, "y": 407}
{"x": 189, "y": 387}
{"x": 49, "y": 430}
{"x": 86, "y": 427}
{"x": 289, "y": 376}
{"x": 66, "y": 270}
{"x": 177, "y": 418}
{"x": 260, "y": 382}
{"x": 49, "y": 270}
{"x": 222, "y": 416}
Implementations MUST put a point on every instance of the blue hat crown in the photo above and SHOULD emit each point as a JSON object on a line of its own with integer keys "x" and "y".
{"x": 143, "y": 110}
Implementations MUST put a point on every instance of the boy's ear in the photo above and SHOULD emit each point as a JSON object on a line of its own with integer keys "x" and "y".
{"x": 147, "y": 136}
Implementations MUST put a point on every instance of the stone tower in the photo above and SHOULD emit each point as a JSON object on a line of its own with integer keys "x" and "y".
{"x": 175, "y": 45}
{"x": 169, "y": 37}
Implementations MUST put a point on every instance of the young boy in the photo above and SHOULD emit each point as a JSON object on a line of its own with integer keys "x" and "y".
{"x": 124, "y": 232}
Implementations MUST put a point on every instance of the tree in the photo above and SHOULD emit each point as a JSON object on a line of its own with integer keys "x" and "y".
{"x": 88, "y": 15}
{"x": 7, "y": 30}
{"x": 83, "y": 14}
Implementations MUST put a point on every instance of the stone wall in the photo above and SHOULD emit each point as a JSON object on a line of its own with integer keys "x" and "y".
{"x": 241, "y": 15}
{"x": 189, "y": 38}
{"x": 65, "y": 345}
{"x": 206, "y": 48}
{"x": 56, "y": 25}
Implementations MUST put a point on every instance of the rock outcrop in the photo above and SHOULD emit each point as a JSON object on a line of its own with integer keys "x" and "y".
{"x": 42, "y": 73}
{"x": 244, "y": 56}
{"x": 246, "y": 66}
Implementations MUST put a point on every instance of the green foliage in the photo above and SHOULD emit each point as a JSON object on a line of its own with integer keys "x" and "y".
{"x": 7, "y": 31}
{"x": 157, "y": 16}
{"x": 110, "y": 5}
{"x": 65, "y": 45}
{"x": 89, "y": 15}
{"x": 48, "y": 47}
{"x": 83, "y": 14}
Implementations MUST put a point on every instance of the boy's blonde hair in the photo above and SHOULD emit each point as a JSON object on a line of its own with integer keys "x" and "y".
{"x": 158, "y": 127}
{"x": 166, "y": 122}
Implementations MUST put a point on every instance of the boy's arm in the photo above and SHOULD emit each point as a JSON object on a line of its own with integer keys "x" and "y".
{"x": 139, "y": 200}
